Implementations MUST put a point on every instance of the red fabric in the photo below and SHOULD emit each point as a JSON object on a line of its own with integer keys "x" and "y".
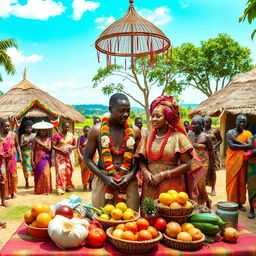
{"x": 22, "y": 244}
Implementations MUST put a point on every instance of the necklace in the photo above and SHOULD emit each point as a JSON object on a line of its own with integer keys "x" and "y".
{"x": 160, "y": 137}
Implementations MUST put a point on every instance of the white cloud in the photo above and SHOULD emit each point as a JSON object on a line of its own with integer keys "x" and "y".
{"x": 81, "y": 6}
{"x": 33, "y": 9}
{"x": 183, "y": 5}
{"x": 18, "y": 57}
{"x": 159, "y": 16}
{"x": 103, "y": 22}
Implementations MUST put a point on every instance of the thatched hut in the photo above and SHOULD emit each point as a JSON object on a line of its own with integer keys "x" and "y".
{"x": 238, "y": 97}
{"x": 25, "y": 100}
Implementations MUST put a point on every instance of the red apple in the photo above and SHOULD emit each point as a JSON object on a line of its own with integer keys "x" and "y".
{"x": 65, "y": 211}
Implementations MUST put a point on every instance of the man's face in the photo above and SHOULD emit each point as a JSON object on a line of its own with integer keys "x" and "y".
{"x": 138, "y": 123}
{"x": 241, "y": 123}
{"x": 96, "y": 121}
{"x": 120, "y": 112}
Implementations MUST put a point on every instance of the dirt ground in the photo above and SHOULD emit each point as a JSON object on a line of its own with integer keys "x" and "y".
{"x": 26, "y": 197}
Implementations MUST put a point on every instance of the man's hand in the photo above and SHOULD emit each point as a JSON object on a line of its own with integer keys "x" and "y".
{"x": 111, "y": 183}
{"x": 124, "y": 181}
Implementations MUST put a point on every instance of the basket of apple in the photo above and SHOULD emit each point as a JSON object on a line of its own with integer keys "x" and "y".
{"x": 183, "y": 237}
{"x": 134, "y": 237}
{"x": 111, "y": 215}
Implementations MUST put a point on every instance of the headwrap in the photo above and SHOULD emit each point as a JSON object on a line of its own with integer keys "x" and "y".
{"x": 168, "y": 106}
{"x": 28, "y": 123}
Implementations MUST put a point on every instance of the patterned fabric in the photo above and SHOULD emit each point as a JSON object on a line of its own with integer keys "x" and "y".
{"x": 42, "y": 170}
{"x": 236, "y": 169}
{"x": 26, "y": 152}
{"x": 21, "y": 243}
{"x": 64, "y": 164}
{"x": 85, "y": 172}
{"x": 251, "y": 177}
{"x": 9, "y": 163}
{"x": 203, "y": 153}
{"x": 177, "y": 143}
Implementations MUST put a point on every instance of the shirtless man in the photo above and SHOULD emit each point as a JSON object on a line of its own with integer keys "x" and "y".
{"x": 119, "y": 109}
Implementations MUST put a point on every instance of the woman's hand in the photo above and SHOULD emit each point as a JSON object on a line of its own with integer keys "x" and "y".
{"x": 147, "y": 176}
{"x": 156, "y": 179}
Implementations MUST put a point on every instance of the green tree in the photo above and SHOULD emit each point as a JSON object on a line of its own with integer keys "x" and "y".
{"x": 211, "y": 66}
{"x": 5, "y": 59}
{"x": 249, "y": 13}
{"x": 141, "y": 79}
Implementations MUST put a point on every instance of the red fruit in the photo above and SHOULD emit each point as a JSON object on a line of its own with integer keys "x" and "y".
{"x": 160, "y": 224}
{"x": 96, "y": 237}
{"x": 65, "y": 211}
{"x": 142, "y": 224}
{"x": 94, "y": 225}
{"x": 144, "y": 235}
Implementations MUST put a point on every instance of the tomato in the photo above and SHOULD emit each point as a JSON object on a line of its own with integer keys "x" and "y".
{"x": 144, "y": 235}
{"x": 142, "y": 224}
{"x": 153, "y": 231}
{"x": 96, "y": 237}
{"x": 160, "y": 224}
{"x": 94, "y": 225}
{"x": 131, "y": 226}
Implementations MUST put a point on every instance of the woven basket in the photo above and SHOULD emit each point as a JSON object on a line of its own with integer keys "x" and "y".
{"x": 109, "y": 223}
{"x": 183, "y": 245}
{"x": 133, "y": 246}
{"x": 179, "y": 219}
{"x": 182, "y": 211}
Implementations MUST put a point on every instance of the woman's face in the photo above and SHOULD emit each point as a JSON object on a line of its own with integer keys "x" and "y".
{"x": 86, "y": 131}
{"x": 65, "y": 128}
{"x": 207, "y": 123}
{"x": 196, "y": 125}
{"x": 28, "y": 129}
{"x": 158, "y": 119}
{"x": 6, "y": 127}
{"x": 43, "y": 132}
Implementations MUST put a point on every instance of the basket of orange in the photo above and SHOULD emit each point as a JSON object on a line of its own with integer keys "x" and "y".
{"x": 37, "y": 220}
{"x": 183, "y": 237}
{"x": 175, "y": 206}
{"x": 114, "y": 215}
{"x": 134, "y": 237}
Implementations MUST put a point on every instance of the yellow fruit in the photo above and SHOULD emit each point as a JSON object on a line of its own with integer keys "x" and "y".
{"x": 195, "y": 233}
{"x": 185, "y": 227}
{"x": 230, "y": 234}
{"x": 175, "y": 205}
{"x": 116, "y": 214}
{"x": 163, "y": 205}
{"x": 172, "y": 229}
{"x": 187, "y": 204}
{"x": 182, "y": 197}
{"x": 117, "y": 233}
{"x": 40, "y": 208}
{"x": 166, "y": 198}
{"x": 112, "y": 219}
{"x": 122, "y": 206}
{"x": 131, "y": 210}
{"x": 108, "y": 208}
{"x": 173, "y": 193}
{"x": 104, "y": 216}
{"x": 184, "y": 236}
{"x": 28, "y": 217}
{"x": 43, "y": 219}
{"x": 128, "y": 215}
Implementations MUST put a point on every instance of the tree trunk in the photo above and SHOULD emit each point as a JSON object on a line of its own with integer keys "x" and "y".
{"x": 147, "y": 109}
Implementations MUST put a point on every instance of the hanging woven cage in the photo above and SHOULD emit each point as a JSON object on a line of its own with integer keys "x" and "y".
{"x": 132, "y": 36}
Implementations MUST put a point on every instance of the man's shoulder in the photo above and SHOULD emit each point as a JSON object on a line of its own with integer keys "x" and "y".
{"x": 96, "y": 129}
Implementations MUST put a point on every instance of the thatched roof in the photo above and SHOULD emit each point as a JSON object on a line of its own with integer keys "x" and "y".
{"x": 238, "y": 97}
{"x": 16, "y": 99}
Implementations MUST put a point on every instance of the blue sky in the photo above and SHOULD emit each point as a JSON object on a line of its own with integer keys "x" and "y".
{"x": 56, "y": 38}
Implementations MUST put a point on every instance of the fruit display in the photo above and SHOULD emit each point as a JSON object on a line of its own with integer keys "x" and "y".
{"x": 174, "y": 199}
{"x": 208, "y": 223}
{"x": 149, "y": 210}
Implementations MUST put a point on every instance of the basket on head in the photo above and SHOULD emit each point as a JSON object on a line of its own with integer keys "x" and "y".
{"x": 133, "y": 246}
{"x": 109, "y": 223}
{"x": 182, "y": 211}
{"x": 183, "y": 245}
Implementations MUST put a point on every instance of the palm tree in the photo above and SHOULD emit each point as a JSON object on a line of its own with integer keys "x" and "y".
{"x": 5, "y": 59}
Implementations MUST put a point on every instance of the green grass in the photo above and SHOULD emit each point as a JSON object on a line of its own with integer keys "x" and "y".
{"x": 15, "y": 212}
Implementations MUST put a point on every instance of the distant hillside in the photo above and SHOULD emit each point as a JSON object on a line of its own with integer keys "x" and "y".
{"x": 189, "y": 105}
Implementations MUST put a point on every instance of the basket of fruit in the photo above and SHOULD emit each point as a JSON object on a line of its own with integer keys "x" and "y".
{"x": 172, "y": 204}
{"x": 185, "y": 237}
{"x": 114, "y": 215}
{"x": 179, "y": 219}
{"x": 134, "y": 237}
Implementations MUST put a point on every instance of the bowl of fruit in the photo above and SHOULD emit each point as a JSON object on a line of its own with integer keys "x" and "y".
{"x": 175, "y": 205}
{"x": 112, "y": 215}
{"x": 183, "y": 237}
{"x": 37, "y": 220}
{"x": 134, "y": 237}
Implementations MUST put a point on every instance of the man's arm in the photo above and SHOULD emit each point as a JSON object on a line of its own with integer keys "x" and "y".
{"x": 232, "y": 142}
{"x": 90, "y": 150}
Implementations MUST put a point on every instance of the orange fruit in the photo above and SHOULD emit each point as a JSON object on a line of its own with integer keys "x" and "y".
{"x": 175, "y": 205}
{"x": 131, "y": 226}
{"x": 144, "y": 235}
{"x": 172, "y": 229}
{"x": 128, "y": 215}
{"x": 43, "y": 220}
{"x": 40, "y": 208}
{"x": 185, "y": 227}
{"x": 166, "y": 198}
{"x": 142, "y": 223}
{"x": 28, "y": 217}
{"x": 173, "y": 192}
{"x": 136, "y": 236}
{"x": 120, "y": 226}
{"x": 163, "y": 205}
{"x": 230, "y": 234}
{"x": 116, "y": 214}
{"x": 153, "y": 231}
{"x": 187, "y": 204}
{"x": 128, "y": 235}
{"x": 195, "y": 233}
{"x": 33, "y": 224}
{"x": 184, "y": 236}
{"x": 182, "y": 197}
{"x": 117, "y": 233}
